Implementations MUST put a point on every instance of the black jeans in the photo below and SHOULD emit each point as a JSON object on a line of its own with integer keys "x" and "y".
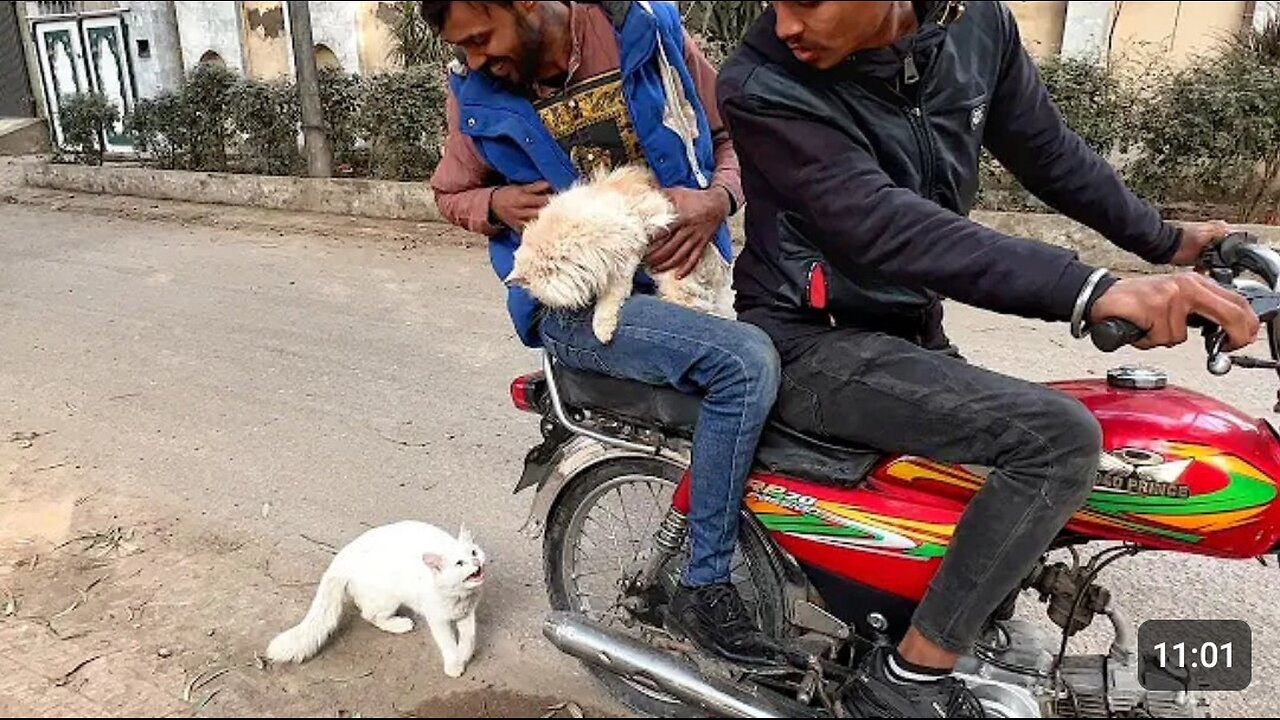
{"x": 887, "y": 393}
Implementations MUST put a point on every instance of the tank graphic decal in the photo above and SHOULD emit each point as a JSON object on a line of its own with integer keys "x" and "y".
{"x": 1230, "y": 493}
{"x": 832, "y": 523}
{"x": 1178, "y": 491}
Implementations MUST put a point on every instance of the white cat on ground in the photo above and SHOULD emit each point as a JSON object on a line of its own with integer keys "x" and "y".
{"x": 406, "y": 564}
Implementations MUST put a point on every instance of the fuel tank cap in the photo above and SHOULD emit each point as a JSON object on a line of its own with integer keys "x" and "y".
{"x": 1137, "y": 377}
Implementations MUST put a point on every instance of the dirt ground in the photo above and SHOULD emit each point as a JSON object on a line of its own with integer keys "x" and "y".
{"x": 130, "y": 583}
{"x": 112, "y": 605}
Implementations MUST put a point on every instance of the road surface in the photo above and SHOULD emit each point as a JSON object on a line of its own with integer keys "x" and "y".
{"x": 200, "y": 411}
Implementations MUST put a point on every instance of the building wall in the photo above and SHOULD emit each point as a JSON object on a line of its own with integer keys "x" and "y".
{"x": 1176, "y": 31}
{"x": 36, "y": 9}
{"x": 155, "y": 25}
{"x": 267, "y": 47}
{"x": 251, "y": 36}
{"x": 205, "y": 26}
{"x": 335, "y": 25}
{"x": 1041, "y": 23}
{"x": 375, "y": 37}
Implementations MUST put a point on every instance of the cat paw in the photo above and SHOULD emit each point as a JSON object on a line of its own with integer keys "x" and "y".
{"x": 454, "y": 669}
{"x": 604, "y": 325}
{"x": 396, "y": 625}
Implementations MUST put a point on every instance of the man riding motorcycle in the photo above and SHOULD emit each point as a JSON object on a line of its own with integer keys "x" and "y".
{"x": 549, "y": 92}
{"x": 859, "y": 127}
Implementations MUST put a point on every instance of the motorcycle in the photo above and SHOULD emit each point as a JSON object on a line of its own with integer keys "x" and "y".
{"x": 837, "y": 544}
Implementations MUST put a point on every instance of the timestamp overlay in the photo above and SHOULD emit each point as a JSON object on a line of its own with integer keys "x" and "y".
{"x": 1195, "y": 655}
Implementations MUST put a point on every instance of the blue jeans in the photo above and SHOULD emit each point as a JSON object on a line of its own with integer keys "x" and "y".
{"x": 736, "y": 369}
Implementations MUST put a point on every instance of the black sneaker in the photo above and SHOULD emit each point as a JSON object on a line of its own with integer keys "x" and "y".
{"x": 714, "y": 619}
{"x": 871, "y": 693}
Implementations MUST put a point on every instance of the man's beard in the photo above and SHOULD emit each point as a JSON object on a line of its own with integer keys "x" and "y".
{"x": 532, "y": 45}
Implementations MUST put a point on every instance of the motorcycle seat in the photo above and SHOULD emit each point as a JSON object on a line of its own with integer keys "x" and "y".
{"x": 783, "y": 450}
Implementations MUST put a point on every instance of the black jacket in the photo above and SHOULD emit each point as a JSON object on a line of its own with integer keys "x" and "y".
{"x": 858, "y": 180}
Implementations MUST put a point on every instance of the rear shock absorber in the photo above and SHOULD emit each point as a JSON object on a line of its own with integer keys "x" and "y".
{"x": 667, "y": 541}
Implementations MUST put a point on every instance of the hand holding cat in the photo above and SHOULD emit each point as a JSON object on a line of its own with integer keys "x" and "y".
{"x": 699, "y": 214}
{"x": 517, "y": 205}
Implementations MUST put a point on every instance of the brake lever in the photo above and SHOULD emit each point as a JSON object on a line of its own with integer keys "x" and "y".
{"x": 1265, "y": 303}
{"x": 1219, "y": 363}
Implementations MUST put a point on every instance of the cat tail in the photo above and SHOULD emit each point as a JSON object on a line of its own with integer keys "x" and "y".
{"x": 305, "y": 639}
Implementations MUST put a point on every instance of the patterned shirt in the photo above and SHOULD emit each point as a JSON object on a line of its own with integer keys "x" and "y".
{"x": 587, "y": 115}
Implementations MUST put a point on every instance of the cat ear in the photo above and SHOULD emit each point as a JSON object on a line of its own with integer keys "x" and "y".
{"x": 433, "y": 561}
{"x": 464, "y": 536}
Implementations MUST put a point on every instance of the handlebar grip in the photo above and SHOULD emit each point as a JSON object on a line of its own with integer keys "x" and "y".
{"x": 1114, "y": 333}
{"x": 1231, "y": 245}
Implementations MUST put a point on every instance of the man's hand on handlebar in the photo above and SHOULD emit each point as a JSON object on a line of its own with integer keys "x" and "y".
{"x": 1162, "y": 304}
{"x": 1195, "y": 238}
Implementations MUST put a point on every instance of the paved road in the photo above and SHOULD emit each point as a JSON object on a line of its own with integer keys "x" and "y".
{"x": 274, "y": 386}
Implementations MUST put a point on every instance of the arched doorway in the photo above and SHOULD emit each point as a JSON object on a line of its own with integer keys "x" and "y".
{"x": 212, "y": 58}
{"x": 326, "y": 59}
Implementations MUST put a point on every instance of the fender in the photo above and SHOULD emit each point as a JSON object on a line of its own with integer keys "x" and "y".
{"x": 572, "y": 459}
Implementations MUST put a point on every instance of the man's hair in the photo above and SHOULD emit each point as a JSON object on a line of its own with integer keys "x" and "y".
{"x": 436, "y": 12}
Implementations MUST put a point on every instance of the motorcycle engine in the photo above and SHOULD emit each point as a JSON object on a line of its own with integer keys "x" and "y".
{"x": 1011, "y": 672}
{"x": 1098, "y": 687}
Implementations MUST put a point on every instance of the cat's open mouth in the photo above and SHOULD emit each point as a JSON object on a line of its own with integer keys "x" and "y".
{"x": 476, "y": 576}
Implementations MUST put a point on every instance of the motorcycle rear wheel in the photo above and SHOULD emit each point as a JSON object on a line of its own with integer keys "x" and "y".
{"x": 621, "y": 503}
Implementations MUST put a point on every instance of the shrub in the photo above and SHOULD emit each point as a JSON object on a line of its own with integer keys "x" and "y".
{"x": 1211, "y": 133}
{"x": 1093, "y": 100}
{"x": 720, "y": 23}
{"x": 85, "y": 118}
{"x": 160, "y": 128}
{"x": 188, "y": 129}
{"x": 266, "y": 116}
{"x": 413, "y": 43}
{"x": 204, "y": 99}
{"x": 402, "y": 118}
{"x": 341, "y": 96}
{"x": 1262, "y": 44}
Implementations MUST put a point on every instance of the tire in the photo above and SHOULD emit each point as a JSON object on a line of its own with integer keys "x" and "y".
{"x": 569, "y": 515}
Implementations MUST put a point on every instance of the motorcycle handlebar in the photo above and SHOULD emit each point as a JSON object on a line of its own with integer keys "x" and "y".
{"x": 1114, "y": 333}
{"x": 1236, "y": 253}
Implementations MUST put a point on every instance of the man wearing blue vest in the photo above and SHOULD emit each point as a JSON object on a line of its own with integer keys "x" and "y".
{"x": 549, "y": 92}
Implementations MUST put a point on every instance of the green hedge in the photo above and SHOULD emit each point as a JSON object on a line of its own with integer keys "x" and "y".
{"x": 402, "y": 120}
{"x": 387, "y": 125}
{"x": 1206, "y": 136}
{"x": 85, "y": 118}
{"x": 1211, "y": 134}
{"x": 266, "y": 116}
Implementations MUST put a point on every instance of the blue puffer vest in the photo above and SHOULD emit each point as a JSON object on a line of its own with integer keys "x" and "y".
{"x": 511, "y": 138}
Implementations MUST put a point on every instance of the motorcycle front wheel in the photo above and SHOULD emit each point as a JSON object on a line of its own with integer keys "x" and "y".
{"x": 599, "y": 536}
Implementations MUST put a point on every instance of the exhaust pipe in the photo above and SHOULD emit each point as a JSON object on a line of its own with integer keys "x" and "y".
{"x": 575, "y": 635}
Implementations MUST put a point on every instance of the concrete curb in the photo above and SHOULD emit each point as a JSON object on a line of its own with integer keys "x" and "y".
{"x": 412, "y": 201}
{"x": 363, "y": 198}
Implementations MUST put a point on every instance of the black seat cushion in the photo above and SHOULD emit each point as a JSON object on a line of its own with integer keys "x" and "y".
{"x": 786, "y": 451}
{"x": 783, "y": 450}
{"x": 671, "y": 410}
